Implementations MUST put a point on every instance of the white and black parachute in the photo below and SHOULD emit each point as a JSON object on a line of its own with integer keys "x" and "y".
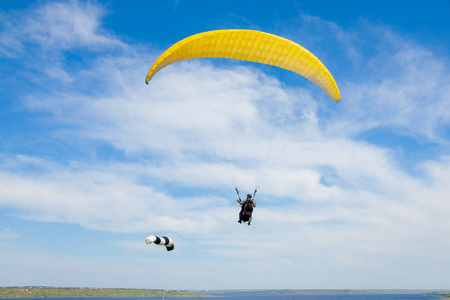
{"x": 163, "y": 241}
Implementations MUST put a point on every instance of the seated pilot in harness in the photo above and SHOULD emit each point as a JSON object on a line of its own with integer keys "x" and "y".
{"x": 245, "y": 215}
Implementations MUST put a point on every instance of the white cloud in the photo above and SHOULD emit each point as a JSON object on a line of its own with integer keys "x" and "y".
{"x": 409, "y": 96}
{"x": 329, "y": 202}
{"x": 56, "y": 26}
{"x": 7, "y": 233}
{"x": 345, "y": 181}
{"x": 386, "y": 80}
{"x": 60, "y": 74}
{"x": 93, "y": 198}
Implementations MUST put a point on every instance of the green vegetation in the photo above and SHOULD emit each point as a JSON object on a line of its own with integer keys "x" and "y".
{"x": 55, "y": 292}
{"x": 442, "y": 294}
{"x": 58, "y": 292}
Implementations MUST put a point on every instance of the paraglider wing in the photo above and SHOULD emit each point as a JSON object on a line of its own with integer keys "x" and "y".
{"x": 163, "y": 241}
{"x": 250, "y": 45}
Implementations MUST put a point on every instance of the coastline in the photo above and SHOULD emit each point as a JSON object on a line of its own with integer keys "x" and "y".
{"x": 91, "y": 292}
{"x": 80, "y": 292}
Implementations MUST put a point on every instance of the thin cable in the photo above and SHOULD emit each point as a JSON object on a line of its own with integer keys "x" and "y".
{"x": 300, "y": 83}
{"x": 228, "y": 164}
{"x": 270, "y": 149}
{"x": 209, "y": 140}
{"x": 276, "y": 159}
{"x": 165, "y": 279}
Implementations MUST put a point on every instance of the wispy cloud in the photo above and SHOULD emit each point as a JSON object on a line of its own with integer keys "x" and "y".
{"x": 176, "y": 143}
{"x": 7, "y": 233}
{"x": 56, "y": 26}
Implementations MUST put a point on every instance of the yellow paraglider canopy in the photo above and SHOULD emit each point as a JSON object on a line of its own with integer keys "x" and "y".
{"x": 254, "y": 46}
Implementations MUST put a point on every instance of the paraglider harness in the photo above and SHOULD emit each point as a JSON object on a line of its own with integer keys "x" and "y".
{"x": 247, "y": 208}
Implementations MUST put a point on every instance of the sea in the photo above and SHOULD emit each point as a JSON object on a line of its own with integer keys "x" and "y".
{"x": 270, "y": 296}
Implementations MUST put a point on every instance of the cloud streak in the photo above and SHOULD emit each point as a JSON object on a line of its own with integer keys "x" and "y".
{"x": 164, "y": 157}
{"x": 54, "y": 27}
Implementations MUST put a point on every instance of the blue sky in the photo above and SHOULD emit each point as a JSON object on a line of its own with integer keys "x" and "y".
{"x": 92, "y": 160}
